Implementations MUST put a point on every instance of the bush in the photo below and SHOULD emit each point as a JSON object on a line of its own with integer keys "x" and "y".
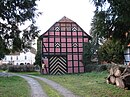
{"x": 4, "y": 66}
{"x": 111, "y": 51}
{"x": 97, "y": 68}
{"x": 21, "y": 68}
{"x": 87, "y": 53}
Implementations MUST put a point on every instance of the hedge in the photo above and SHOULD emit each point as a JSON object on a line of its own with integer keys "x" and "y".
{"x": 21, "y": 68}
{"x": 17, "y": 68}
{"x": 97, "y": 68}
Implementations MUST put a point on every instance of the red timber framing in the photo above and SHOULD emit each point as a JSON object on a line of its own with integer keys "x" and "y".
{"x": 62, "y": 47}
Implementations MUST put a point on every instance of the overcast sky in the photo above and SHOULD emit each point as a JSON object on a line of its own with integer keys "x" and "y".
{"x": 80, "y": 11}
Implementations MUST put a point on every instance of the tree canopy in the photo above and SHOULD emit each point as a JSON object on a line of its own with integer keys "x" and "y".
{"x": 111, "y": 19}
{"x": 13, "y": 14}
{"x": 111, "y": 51}
{"x": 38, "y": 58}
{"x": 111, "y": 23}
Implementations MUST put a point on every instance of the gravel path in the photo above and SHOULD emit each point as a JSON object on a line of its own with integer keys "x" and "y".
{"x": 5, "y": 74}
{"x": 36, "y": 89}
{"x": 63, "y": 91}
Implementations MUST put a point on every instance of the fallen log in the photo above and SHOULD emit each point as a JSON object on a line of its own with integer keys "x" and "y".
{"x": 112, "y": 79}
{"x": 118, "y": 71}
{"x": 119, "y": 83}
{"x": 119, "y": 75}
{"x": 108, "y": 79}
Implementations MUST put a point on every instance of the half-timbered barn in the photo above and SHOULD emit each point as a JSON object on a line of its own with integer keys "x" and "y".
{"x": 62, "y": 47}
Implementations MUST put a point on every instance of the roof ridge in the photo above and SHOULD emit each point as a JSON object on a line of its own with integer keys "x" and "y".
{"x": 65, "y": 19}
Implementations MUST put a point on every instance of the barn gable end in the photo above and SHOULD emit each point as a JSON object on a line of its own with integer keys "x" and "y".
{"x": 62, "y": 47}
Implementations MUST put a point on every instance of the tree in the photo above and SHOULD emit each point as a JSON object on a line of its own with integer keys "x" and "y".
{"x": 3, "y": 49}
{"x": 111, "y": 24}
{"x": 13, "y": 15}
{"x": 99, "y": 29}
{"x": 112, "y": 19}
{"x": 87, "y": 53}
{"x": 111, "y": 51}
{"x": 39, "y": 53}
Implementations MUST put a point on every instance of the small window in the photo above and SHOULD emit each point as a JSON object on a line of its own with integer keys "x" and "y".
{"x": 11, "y": 58}
{"x": 45, "y": 57}
{"x": 57, "y": 45}
{"x": 74, "y": 29}
{"x": 75, "y": 45}
{"x": 57, "y": 29}
{"x": 17, "y": 58}
{"x": 25, "y": 57}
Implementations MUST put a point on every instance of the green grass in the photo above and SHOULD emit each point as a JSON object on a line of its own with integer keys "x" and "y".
{"x": 85, "y": 85}
{"x": 31, "y": 73}
{"x": 14, "y": 87}
{"x": 89, "y": 85}
{"x": 1, "y": 70}
{"x": 51, "y": 92}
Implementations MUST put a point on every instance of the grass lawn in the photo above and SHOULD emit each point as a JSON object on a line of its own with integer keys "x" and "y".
{"x": 31, "y": 73}
{"x": 89, "y": 85}
{"x": 13, "y": 87}
{"x": 1, "y": 70}
{"x": 85, "y": 85}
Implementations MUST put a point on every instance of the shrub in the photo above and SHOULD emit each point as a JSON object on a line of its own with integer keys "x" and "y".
{"x": 21, "y": 68}
{"x": 4, "y": 66}
{"x": 87, "y": 53}
{"x": 111, "y": 51}
{"x": 97, "y": 68}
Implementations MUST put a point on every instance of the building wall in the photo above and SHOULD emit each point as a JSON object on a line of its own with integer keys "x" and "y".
{"x": 68, "y": 44}
{"x": 25, "y": 58}
{"x": 62, "y": 47}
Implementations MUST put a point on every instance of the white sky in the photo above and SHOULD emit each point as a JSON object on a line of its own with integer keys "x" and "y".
{"x": 80, "y": 11}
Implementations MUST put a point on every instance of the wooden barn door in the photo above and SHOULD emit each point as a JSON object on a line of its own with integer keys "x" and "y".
{"x": 57, "y": 65}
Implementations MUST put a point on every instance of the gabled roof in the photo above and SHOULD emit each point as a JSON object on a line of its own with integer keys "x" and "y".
{"x": 32, "y": 50}
{"x": 14, "y": 53}
{"x": 63, "y": 22}
{"x": 65, "y": 19}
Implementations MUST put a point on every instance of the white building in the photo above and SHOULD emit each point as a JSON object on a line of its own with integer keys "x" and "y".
{"x": 18, "y": 58}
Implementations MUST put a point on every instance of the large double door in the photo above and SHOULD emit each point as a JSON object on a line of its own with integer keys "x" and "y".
{"x": 57, "y": 65}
